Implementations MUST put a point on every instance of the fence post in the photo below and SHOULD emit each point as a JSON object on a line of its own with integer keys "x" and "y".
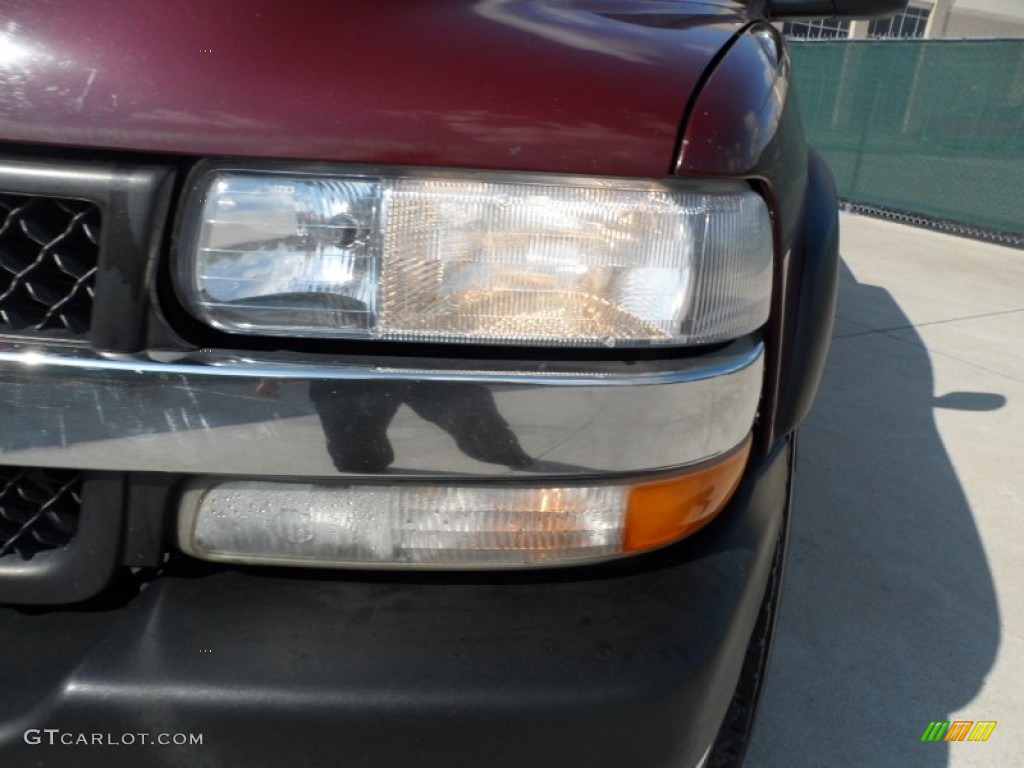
{"x": 855, "y": 180}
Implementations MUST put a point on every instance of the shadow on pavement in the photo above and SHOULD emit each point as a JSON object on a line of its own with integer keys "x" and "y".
{"x": 889, "y": 617}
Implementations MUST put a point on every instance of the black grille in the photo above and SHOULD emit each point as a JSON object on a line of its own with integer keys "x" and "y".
{"x": 48, "y": 255}
{"x": 38, "y": 509}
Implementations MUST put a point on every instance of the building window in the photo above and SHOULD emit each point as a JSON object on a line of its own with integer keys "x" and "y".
{"x": 821, "y": 29}
{"x": 910, "y": 23}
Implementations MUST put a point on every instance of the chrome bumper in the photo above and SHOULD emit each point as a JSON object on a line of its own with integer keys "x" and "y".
{"x": 276, "y": 415}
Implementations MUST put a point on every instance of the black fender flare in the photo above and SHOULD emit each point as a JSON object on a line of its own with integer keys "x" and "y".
{"x": 815, "y": 287}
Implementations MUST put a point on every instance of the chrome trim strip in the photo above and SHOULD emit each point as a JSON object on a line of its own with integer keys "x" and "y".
{"x": 279, "y": 416}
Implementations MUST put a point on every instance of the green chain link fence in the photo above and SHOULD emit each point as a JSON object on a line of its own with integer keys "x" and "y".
{"x": 927, "y": 127}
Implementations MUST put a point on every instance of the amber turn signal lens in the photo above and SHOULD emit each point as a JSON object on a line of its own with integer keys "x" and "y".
{"x": 433, "y": 525}
{"x": 664, "y": 511}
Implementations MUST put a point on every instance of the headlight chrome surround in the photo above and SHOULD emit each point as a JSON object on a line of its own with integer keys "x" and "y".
{"x": 395, "y": 254}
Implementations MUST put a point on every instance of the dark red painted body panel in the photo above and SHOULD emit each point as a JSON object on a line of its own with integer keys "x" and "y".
{"x": 736, "y": 114}
{"x": 580, "y": 86}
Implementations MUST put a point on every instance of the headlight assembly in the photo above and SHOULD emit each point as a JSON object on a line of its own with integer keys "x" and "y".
{"x": 475, "y": 258}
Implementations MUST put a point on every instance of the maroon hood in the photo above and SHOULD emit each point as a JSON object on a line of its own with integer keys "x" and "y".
{"x": 582, "y": 86}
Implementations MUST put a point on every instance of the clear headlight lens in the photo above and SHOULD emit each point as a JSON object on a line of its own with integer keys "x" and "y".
{"x": 475, "y": 258}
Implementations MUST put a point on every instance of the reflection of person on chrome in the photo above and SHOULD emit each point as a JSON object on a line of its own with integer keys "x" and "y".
{"x": 355, "y": 417}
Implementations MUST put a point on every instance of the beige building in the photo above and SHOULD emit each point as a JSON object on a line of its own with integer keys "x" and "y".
{"x": 927, "y": 19}
{"x": 976, "y": 18}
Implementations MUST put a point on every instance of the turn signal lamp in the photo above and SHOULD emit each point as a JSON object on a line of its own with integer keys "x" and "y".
{"x": 449, "y": 526}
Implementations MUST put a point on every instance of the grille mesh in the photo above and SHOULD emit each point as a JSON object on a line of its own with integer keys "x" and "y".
{"x": 48, "y": 256}
{"x": 38, "y": 509}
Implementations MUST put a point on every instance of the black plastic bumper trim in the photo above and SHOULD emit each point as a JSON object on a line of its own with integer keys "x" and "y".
{"x": 617, "y": 668}
{"x": 85, "y": 565}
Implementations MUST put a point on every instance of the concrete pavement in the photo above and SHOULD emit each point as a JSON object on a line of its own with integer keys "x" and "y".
{"x": 904, "y": 602}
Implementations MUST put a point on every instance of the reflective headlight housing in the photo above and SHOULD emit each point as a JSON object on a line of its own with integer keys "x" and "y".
{"x": 491, "y": 258}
